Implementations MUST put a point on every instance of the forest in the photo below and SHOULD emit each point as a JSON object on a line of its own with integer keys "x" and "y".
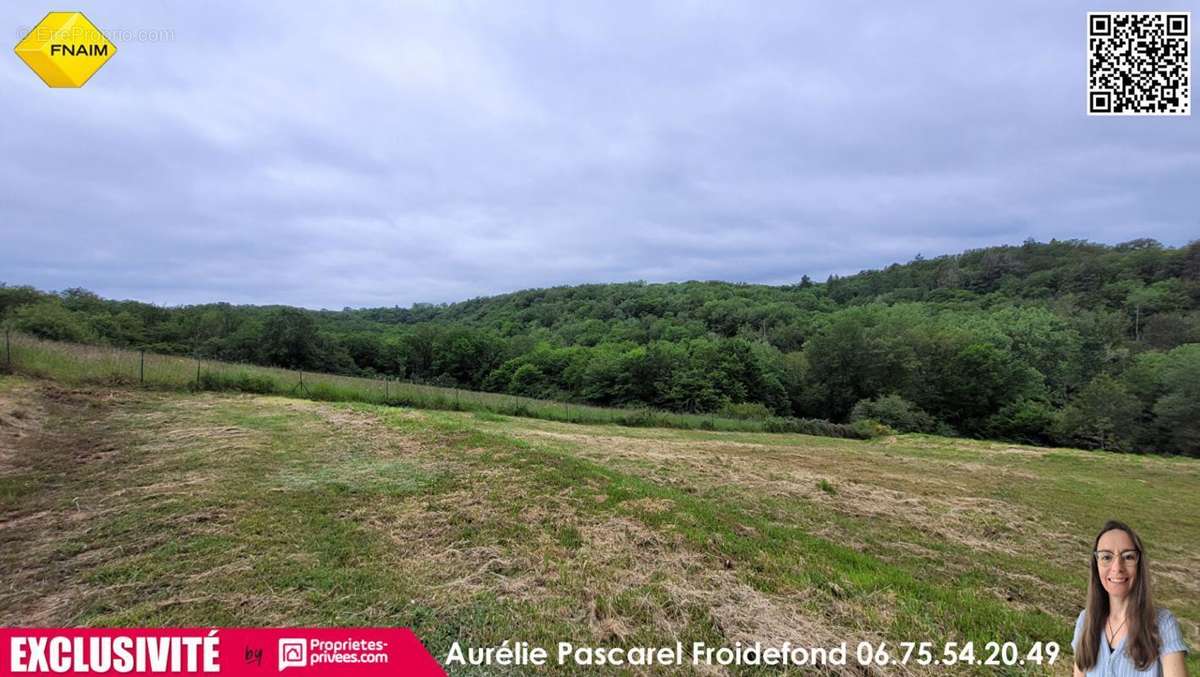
{"x": 1064, "y": 342}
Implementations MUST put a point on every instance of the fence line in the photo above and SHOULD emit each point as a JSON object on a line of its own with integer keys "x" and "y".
{"x": 110, "y": 361}
{"x": 118, "y": 366}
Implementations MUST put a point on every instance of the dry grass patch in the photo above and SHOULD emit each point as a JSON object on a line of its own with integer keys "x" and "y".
{"x": 865, "y": 485}
{"x": 611, "y": 574}
{"x": 896, "y": 507}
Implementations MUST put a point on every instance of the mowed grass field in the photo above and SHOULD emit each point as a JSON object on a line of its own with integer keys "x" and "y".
{"x": 121, "y": 506}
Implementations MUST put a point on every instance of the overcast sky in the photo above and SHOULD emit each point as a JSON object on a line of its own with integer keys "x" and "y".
{"x": 368, "y": 156}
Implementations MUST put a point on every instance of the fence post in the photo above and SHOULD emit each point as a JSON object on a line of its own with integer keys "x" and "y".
{"x": 142, "y": 368}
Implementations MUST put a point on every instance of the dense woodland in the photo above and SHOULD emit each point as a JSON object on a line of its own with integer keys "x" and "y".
{"x": 1066, "y": 342}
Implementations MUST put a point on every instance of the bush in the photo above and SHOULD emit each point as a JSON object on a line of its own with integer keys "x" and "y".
{"x": 894, "y": 412}
{"x": 869, "y": 428}
{"x": 1030, "y": 421}
{"x": 243, "y": 382}
{"x": 249, "y": 383}
{"x": 813, "y": 426}
{"x": 640, "y": 418}
{"x": 746, "y": 411}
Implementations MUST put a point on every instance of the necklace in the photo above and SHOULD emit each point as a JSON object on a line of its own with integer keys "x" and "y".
{"x": 1108, "y": 626}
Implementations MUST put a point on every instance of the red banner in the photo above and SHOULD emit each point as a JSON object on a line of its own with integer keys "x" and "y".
{"x": 236, "y": 652}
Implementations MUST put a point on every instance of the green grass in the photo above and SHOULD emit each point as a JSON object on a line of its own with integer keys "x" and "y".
{"x": 235, "y": 509}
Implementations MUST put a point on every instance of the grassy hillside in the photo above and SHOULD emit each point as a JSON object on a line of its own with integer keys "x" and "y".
{"x": 122, "y": 506}
{"x": 1065, "y": 343}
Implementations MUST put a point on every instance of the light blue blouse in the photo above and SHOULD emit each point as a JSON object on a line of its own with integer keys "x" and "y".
{"x": 1115, "y": 663}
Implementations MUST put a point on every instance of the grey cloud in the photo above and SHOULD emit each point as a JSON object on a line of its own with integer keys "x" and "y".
{"x": 374, "y": 155}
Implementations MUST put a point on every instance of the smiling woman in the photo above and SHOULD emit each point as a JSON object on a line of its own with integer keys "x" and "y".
{"x": 1120, "y": 633}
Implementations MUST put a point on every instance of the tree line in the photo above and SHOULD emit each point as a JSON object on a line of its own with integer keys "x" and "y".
{"x": 1065, "y": 342}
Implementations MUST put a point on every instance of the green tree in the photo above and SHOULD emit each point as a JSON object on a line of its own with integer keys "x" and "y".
{"x": 605, "y": 379}
{"x": 1026, "y": 420}
{"x": 1167, "y": 386}
{"x": 50, "y": 320}
{"x": 12, "y": 298}
{"x": 289, "y": 339}
{"x": 692, "y": 390}
{"x": 845, "y": 363}
{"x": 466, "y": 355}
{"x": 528, "y": 381}
{"x": 1103, "y": 415}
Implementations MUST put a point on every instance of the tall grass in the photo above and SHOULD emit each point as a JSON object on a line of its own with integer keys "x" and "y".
{"x": 91, "y": 364}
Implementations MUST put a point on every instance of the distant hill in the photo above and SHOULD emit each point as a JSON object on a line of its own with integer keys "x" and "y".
{"x": 1067, "y": 342}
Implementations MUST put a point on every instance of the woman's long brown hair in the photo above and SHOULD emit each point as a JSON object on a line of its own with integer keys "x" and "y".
{"x": 1141, "y": 640}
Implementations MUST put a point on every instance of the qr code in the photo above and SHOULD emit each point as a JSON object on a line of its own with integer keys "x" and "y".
{"x": 1139, "y": 63}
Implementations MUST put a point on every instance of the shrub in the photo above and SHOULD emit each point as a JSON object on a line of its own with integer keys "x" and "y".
{"x": 210, "y": 381}
{"x": 812, "y": 426}
{"x": 249, "y": 383}
{"x": 242, "y": 382}
{"x": 639, "y": 418}
{"x": 894, "y": 412}
{"x": 527, "y": 380}
{"x": 1025, "y": 420}
{"x": 746, "y": 411}
{"x": 870, "y": 428}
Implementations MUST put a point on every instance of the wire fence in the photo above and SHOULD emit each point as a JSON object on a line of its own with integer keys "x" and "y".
{"x": 107, "y": 365}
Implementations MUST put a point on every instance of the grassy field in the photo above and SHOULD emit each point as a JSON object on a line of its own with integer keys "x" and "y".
{"x": 128, "y": 506}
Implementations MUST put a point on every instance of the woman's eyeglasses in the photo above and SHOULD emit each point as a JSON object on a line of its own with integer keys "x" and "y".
{"x": 1106, "y": 557}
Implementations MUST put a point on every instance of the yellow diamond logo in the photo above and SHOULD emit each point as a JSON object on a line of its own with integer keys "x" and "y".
{"x": 65, "y": 49}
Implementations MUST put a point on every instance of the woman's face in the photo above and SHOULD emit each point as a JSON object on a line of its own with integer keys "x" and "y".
{"x": 1119, "y": 573}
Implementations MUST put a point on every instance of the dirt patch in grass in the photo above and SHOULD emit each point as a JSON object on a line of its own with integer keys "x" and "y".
{"x": 35, "y": 520}
{"x": 28, "y": 441}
